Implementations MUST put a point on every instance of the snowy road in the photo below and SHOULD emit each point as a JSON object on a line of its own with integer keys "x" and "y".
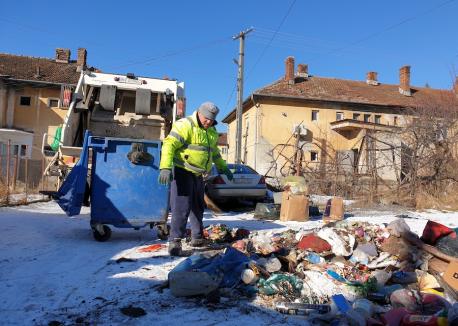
{"x": 51, "y": 269}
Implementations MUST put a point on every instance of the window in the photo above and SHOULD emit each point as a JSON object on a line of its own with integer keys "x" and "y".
{"x": 25, "y": 100}
{"x": 66, "y": 92}
{"x": 23, "y": 150}
{"x": 313, "y": 156}
{"x": 378, "y": 118}
{"x": 53, "y": 102}
{"x": 314, "y": 115}
{"x": 224, "y": 150}
{"x": 367, "y": 118}
{"x": 395, "y": 121}
{"x": 339, "y": 116}
{"x": 356, "y": 116}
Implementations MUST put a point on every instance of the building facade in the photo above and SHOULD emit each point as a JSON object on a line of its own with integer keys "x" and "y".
{"x": 329, "y": 120}
{"x": 34, "y": 97}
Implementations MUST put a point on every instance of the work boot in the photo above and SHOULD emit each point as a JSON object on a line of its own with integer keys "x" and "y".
{"x": 199, "y": 242}
{"x": 175, "y": 247}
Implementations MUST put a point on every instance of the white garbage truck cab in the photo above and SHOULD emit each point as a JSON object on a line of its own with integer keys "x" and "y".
{"x": 121, "y": 106}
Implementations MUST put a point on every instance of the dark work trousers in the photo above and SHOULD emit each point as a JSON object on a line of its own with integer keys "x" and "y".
{"x": 186, "y": 200}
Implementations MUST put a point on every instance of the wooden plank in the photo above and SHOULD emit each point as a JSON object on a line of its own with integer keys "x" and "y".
{"x": 211, "y": 205}
{"x": 414, "y": 240}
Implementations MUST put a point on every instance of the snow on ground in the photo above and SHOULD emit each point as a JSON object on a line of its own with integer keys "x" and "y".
{"x": 21, "y": 198}
{"x": 51, "y": 269}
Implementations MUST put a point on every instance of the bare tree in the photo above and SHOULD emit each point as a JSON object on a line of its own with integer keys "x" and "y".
{"x": 430, "y": 138}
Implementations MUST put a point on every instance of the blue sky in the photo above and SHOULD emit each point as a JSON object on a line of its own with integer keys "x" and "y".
{"x": 192, "y": 40}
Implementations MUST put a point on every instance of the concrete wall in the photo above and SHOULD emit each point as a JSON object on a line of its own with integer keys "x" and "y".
{"x": 272, "y": 122}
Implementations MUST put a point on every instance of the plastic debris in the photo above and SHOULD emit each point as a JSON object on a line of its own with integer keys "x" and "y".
{"x": 295, "y": 308}
{"x": 339, "y": 245}
{"x": 314, "y": 243}
{"x": 267, "y": 211}
{"x": 285, "y": 284}
{"x": 151, "y": 248}
{"x": 346, "y": 273}
{"x": 434, "y": 231}
{"x": 271, "y": 264}
{"x": 397, "y": 227}
{"x": 364, "y": 307}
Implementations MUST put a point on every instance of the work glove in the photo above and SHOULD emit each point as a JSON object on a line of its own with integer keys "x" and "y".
{"x": 165, "y": 177}
{"x": 228, "y": 174}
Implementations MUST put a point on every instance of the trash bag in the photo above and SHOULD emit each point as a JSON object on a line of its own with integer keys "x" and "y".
{"x": 295, "y": 184}
{"x": 71, "y": 193}
{"x": 201, "y": 274}
{"x": 448, "y": 245}
{"x": 268, "y": 211}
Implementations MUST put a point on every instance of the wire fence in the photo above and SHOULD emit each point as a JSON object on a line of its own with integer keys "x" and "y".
{"x": 22, "y": 178}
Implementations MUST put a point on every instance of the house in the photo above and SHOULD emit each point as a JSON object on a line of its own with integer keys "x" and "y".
{"x": 35, "y": 94}
{"x": 317, "y": 121}
{"x": 222, "y": 144}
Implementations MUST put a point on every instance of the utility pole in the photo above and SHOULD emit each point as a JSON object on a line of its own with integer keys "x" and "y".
{"x": 239, "y": 111}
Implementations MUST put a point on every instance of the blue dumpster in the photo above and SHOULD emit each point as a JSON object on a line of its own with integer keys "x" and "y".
{"x": 124, "y": 190}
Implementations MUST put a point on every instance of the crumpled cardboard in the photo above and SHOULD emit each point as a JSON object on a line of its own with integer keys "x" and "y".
{"x": 294, "y": 207}
{"x": 334, "y": 209}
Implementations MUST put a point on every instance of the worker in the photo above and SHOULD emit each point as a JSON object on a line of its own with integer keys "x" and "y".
{"x": 188, "y": 152}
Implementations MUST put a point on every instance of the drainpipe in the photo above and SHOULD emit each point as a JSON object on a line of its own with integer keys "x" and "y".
{"x": 255, "y": 132}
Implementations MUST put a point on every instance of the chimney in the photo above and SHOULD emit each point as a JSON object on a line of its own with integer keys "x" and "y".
{"x": 404, "y": 81}
{"x": 371, "y": 78}
{"x": 62, "y": 55}
{"x": 289, "y": 70}
{"x": 81, "y": 59}
{"x": 302, "y": 70}
{"x": 37, "y": 72}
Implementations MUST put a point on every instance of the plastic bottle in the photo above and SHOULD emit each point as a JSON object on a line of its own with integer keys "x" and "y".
{"x": 364, "y": 307}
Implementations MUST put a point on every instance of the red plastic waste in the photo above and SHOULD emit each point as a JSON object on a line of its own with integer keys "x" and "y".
{"x": 433, "y": 231}
{"x": 395, "y": 316}
{"x": 314, "y": 243}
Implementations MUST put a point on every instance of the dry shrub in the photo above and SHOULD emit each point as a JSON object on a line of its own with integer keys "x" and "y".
{"x": 446, "y": 199}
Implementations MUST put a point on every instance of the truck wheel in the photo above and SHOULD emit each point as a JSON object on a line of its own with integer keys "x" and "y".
{"x": 163, "y": 231}
{"x": 101, "y": 236}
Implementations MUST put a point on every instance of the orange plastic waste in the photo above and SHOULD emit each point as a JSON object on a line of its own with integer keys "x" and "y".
{"x": 154, "y": 247}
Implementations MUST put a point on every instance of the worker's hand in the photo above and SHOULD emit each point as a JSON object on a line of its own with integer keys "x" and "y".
{"x": 165, "y": 177}
{"x": 228, "y": 174}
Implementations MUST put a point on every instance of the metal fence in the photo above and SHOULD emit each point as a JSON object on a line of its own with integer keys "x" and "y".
{"x": 21, "y": 178}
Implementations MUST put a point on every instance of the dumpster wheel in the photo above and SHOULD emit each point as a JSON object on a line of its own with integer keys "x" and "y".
{"x": 163, "y": 231}
{"x": 101, "y": 232}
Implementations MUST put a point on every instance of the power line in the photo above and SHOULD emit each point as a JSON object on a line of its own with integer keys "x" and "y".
{"x": 388, "y": 28}
{"x": 174, "y": 53}
{"x": 264, "y": 50}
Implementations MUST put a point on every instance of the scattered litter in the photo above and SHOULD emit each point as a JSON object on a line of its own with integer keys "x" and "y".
{"x": 134, "y": 312}
{"x": 344, "y": 273}
{"x": 152, "y": 248}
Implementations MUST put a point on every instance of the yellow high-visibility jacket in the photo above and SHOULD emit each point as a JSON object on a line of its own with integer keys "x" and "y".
{"x": 191, "y": 147}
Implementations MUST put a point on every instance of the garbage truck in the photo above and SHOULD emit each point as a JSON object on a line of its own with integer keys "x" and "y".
{"x": 109, "y": 151}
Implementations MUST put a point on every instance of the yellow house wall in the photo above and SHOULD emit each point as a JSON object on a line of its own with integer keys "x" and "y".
{"x": 272, "y": 123}
{"x": 38, "y": 117}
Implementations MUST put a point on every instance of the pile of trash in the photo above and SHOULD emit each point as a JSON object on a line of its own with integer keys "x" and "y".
{"x": 346, "y": 272}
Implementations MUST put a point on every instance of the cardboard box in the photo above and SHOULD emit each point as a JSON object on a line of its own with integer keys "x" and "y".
{"x": 451, "y": 275}
{"x": 294, "y": 207}
{"x": 334, "y": 209}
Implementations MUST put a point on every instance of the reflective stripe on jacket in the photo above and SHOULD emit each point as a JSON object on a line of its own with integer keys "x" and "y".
{"x": 191, "y": 147}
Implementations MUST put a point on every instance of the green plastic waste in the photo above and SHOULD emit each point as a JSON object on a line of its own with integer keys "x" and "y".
{"x": 281, "y": 284}
{"x": 56, "y": 141}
